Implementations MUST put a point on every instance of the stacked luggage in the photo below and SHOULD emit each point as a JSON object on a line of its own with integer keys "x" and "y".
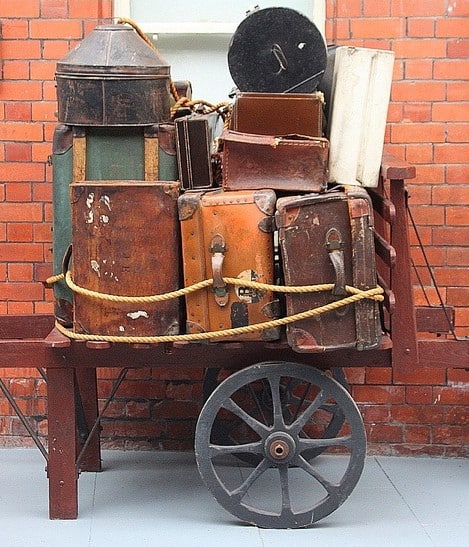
{"x": 272, "y": 214}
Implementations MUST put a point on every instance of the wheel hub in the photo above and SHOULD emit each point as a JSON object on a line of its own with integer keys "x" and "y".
{"x": 280, "y": 447}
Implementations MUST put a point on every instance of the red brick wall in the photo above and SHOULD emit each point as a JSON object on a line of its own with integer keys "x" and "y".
{"x": 427, "y": 411}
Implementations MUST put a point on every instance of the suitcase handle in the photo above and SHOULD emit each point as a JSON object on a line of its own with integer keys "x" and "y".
{"x": 335, "y": 248}
{"x": 218, "y": 250}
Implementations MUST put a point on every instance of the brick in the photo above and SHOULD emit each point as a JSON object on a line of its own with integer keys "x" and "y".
{"x": 421, "y": 376}
{"x": 44, "y": 28}
{"x": 12, "y": 171}
{"x": 451, "y": 27}
{"x": 180, "y": 391}
{"x": 449, "y": 195}
{"x": 42, "y": 233}
{"x": 43, "y": 70}
{"x": 25, "y": 8}
{"x": 457, "y": 174}
{"x": 458, "y": 296}
{"x": 384, "y": 433}
{"x": 418, "y": 395}
{"x": 422, "y": 48}
{"x": 22, "y": 91}
{"x": 419, "y": 153}
{"x": 418, "y": 132}
{"x": 422, "y": 8}
{"x": 420, "y": 434}
{"x": 418, "y": 91}
{"x": 457, "y": 132}
{"x": 376, "y": 8}
{"x": 21, "y": 49}
{"x": 16, "y": 70}
{"x": 373, "y": 414}
{"x": 377, "y": 28}
{"x": 421, "y": 27}
{"x": 454, "y": 277}
{"x": 416, "y": 414}
{"x": 83, "y": 10}
{"x": 20, "y": 292}
{"x": 21, "y": 132}
{"x": 450, "y": 435}
{"x": 18, "y": 152}
{"x": 355, "y": 375}
{"x": 44, "y": 111}
{"x": 418, "y": 69}
{"x": 14, "y": 29}
{"x": 55, "y": 49}
{"x": 412, "y": 112}
{"x": 450, "y": 69}
{"x": 451, "y": 153}
{"x": 54, "y": 9}
{"x": 20, "y": 111}
{"x": 379, "y": 375}
{"x": 135, "y": 409}
{"x": 29, "y": 252}
{"x": 19, "y": 232}
{"x": 20, "y": 272}
{"x": 435, "y": 255}
{"x": 451, "y": 395}
{"x": 175, "y": 410}
{"x": 450, "y": 112}
{"x": 458, "y": 256}
{"x": 456, "y": 416}
{"x": 457, "y": 91}
{"x": 40, "y": 151}
{"x": 378, "y": 394}
{"x": 458, "y": 48}
{"x": 429, "y": 216}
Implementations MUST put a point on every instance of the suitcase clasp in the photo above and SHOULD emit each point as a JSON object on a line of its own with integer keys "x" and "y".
{"x": 218, "y": 250}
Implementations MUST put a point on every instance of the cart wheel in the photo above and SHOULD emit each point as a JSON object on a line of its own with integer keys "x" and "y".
{"x": 284, "y": 490}
{"x": 328, "y": 423}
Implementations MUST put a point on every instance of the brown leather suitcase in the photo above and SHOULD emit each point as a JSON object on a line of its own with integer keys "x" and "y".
{"x": 125, "y": 238}
{"x": 292, "y": 163}
{"x": 278, "y": 113}
{"x": 195, "y": 145}
{"x": 329, "y": 238}
{"x": 228, "y": 234}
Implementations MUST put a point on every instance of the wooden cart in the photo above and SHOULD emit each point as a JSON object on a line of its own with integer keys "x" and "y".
{"x": 280, "y": 444}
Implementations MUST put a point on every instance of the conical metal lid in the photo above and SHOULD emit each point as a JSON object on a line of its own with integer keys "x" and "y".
{"x": 113, "y": 50}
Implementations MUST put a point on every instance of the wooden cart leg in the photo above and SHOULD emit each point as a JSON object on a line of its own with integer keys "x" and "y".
{"x": 62, "y": 472}
{"x": 90, "y": 460}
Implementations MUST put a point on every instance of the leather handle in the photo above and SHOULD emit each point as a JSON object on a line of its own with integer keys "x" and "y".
{"x": 218, "y": 250}
{"x": 335, "y": 248}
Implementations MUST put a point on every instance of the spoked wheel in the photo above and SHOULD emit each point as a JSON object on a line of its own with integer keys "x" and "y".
{"x": 285, "y": 489}
{"x": 293, "y": 393}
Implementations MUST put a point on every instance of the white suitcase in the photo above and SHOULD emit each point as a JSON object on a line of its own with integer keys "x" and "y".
{"x": 361, "y": 88}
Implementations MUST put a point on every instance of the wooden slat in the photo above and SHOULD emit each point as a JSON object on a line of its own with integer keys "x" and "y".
{"x": 434, "y": 319}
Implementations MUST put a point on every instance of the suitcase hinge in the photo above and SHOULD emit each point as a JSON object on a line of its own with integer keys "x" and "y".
{"x": 335, "y": 248}
{"x": 218, "y": 250}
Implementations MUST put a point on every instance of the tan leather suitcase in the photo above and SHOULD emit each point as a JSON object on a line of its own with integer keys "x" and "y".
{"x": 125, "y": 238}
{"x": 228, "y": 234}
{"x": 329, "y": 238}
{"x": 278, "y": 113}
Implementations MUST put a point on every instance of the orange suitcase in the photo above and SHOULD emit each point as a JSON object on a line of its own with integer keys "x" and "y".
{"x": 228, "y": 234}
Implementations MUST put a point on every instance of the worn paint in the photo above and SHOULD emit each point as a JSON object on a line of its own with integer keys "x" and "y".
{"x": 138, "y": 314}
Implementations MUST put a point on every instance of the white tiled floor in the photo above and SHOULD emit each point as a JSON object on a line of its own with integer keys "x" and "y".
{"x": 158, "y": 499}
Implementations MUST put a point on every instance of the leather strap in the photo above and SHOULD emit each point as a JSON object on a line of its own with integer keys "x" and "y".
{"x": 335, "y": 248}
{"x": 218, "y": 250}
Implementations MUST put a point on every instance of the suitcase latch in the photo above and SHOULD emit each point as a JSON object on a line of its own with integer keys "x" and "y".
{"x": 335, "y": 248}
{"x": 218, "y": 250}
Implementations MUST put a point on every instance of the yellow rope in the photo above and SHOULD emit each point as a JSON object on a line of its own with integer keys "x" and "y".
{"x": 372, "y": 293}
{"x": 201, "y": 285}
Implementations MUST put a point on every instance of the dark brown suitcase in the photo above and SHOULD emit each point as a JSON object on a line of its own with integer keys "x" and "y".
{"x": 290, "y": 163}
{"x": 329, "y": 238}
{"x": 278, "y": 113}
{"x": 228, "y": 234}
{"x": 195, "y": 145}
{"x": 125, "y": 238}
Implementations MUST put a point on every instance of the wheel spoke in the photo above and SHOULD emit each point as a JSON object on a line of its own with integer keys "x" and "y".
{"x": 274, "y": 382}
{"x": 330, "y": 488}
{"x": 222, "y": 450}
{"x": 298, "y": 424}
{"x": 305, "y": 444}
{"x": 286, "y": 502}
{"x": 254, "y": 424}
{"x": 240, "y": 492}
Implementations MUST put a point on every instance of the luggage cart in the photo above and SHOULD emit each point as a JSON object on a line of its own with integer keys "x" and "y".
{"x": 287, "y": 409}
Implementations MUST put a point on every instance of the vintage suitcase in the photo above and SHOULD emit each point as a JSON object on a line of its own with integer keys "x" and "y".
{"x": 329, "y": 238}
{"x": 357, "y": 115}
{"x": 101, "y": 153}
{"x": 228, "y": 234}
{"x": 292, "y": 163}
{"x": 115, "y": 251}
{"x": 195, "y": 144}
{"x": 278, "y": 114}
